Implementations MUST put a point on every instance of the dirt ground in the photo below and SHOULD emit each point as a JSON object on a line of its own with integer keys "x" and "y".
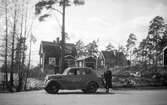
{"x": 76, "y": 97}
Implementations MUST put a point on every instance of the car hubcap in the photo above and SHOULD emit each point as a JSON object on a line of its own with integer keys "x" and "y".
{"x": 92, "y": 87}
{"x": 54, "y": 88}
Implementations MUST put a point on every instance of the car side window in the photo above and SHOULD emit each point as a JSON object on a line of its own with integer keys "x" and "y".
{"x": 72, "y": 72}
{"x": 87, "y": 71}
{"x": 84, "y": 71}
{"x": 78, "y": 72}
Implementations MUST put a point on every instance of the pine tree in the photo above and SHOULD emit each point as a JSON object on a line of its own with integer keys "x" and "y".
{"x": 131, "y": 42}
{"x": 155, "y": 35}
{"x": 110, "y": 47}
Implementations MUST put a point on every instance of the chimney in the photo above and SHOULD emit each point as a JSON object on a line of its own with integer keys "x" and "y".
{"x": 54, "y": 41}
{"x": 58, "y": 40}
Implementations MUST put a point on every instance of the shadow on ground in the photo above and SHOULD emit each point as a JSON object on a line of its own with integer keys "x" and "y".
{"x": 97, "y": 93}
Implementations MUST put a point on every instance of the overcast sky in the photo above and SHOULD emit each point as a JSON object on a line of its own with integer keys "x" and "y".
{"x": 106, "y": 20}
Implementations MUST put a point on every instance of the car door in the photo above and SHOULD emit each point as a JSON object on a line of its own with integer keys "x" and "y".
{"x": 84, "y": 77}
{"x": 80, "y": 78}
{"x": 72, "y": 79}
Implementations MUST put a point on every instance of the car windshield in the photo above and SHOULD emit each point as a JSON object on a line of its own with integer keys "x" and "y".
{"x": 66, "y": 71}
{"x": 98, "y": 74}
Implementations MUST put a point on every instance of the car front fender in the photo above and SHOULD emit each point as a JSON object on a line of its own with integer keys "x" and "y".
{"x": 52, "y": 80}
{"x": 101, "y": 83}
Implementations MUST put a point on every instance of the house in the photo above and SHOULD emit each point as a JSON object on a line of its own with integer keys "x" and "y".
{"x": 165, "y": 56}
{"x": 105, "y": 59}
{"x": 87, "y": 62}
{"x": 110, "y": 59}
{"x": 50, "y": 56}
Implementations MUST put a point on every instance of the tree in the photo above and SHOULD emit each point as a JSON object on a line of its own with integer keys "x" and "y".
{"x": 155, "y": 35}
{"x": 121, "y": 48}
{"x": 131, "y": 42}
{"x": 13, "y": 48}
{"x": 92, "y": 48}
{"x": 163, "y": 42}
{"x": 5, "y": 44}
{"x": 25, "y": 22}
{"x": 80, "y": 47}
{"x": 142, "y": 51}
{"x": 32, "y": 40}
{"x": 7, "y": 50}
{"x": 136, "y": 55}
{"x": 110, "y": 47}
{"x": 49, "y": 5}
{"x": 150, "y": 48}
{"x": 18, "y": 29}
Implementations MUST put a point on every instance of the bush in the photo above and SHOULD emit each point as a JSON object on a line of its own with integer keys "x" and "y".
{"x": 34, "y": 84}
{"x": 137, "y": 76}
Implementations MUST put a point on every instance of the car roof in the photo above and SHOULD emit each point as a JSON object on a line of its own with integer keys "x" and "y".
{"x": 80, "y": 68}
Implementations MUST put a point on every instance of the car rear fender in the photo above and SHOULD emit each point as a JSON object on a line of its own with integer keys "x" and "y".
{"x": 94, "y": 82}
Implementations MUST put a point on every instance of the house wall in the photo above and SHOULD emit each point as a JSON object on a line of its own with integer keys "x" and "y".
{"x": 52, "y": 49}
{"x": 87, "y": 62}
{"x": 80, "y": 63}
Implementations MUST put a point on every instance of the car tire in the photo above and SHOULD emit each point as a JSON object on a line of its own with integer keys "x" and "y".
{"x": 52, "y": 88}
{"x": 92, "y": 87}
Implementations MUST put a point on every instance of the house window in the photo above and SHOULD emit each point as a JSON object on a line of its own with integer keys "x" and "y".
{"x": 80, "y": 64}
{"x": 102, "y": 63}
{"x": 52, "y": 61}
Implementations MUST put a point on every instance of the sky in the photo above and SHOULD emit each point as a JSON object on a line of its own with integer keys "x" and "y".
{"x": 110, "y": 21}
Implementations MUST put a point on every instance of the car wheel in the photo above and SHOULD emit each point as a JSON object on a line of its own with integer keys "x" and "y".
{"x": 92, "y": 87}
{"x": 52, "y": 88}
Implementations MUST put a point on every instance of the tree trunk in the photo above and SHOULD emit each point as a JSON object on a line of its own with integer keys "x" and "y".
{"x": 13, "y": 50}
{"x": 6, "y": 45}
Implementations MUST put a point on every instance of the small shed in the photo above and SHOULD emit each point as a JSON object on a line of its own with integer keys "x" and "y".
{"x": 86, "y": 62}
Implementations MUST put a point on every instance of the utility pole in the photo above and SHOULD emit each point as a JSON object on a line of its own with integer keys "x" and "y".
{"x": 63, "y": 37}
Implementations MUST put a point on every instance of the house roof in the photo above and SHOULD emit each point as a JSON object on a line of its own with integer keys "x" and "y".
{"x": 49, "y": 48}
{"x": 108, "y": 54}
{"x": 69, "y": 57}
{"x": 54, "y": 48}
{"x": 114, "y": 56}
{"x": 85, "y": 57}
